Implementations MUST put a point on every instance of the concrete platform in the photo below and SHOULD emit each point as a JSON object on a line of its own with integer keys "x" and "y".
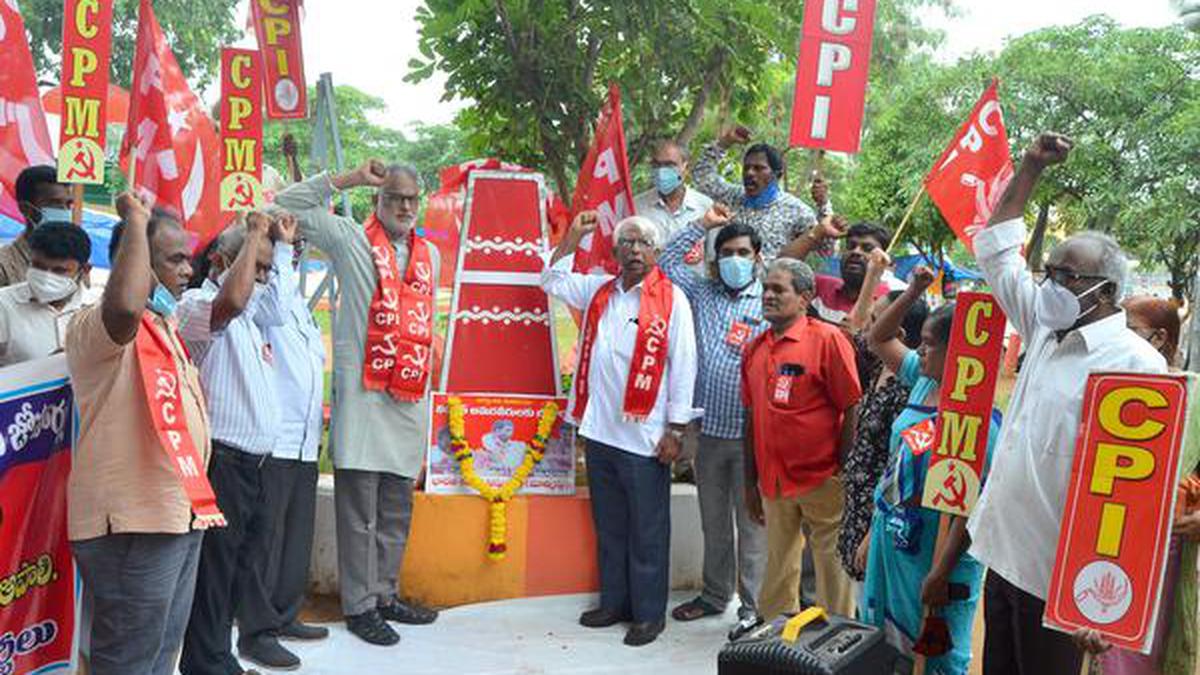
{"x": 526, "y": 636}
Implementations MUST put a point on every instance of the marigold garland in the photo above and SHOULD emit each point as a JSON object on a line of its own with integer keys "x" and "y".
{"x": 498, "y": 497}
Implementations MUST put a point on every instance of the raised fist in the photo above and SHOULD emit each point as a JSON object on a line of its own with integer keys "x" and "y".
{"x": 734, "y": 136}
{"x": 132, "y": 208}
{"x": 1049, "y": 149}
{"x": 922, "y": 277}
{"x": 283, "y": 228}
{"x": 585, "y": 223}
{"x": 717, "y": 216}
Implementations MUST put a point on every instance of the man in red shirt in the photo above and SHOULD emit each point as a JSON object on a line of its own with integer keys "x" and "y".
{"x": 801, "y": 390}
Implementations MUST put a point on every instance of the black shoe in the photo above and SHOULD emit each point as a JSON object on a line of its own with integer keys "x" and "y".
{"x": 266, "y": 651}
{"x": 644, "y": 633}
{"x": 370, "y": 627}
{"x": 298, "y": 630}
{"x": 601, "y": 618}
{"x": 402, "y": 612}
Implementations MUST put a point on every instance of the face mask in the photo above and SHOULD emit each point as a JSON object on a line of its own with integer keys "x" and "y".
{"x": 53, "y": 215}
{"x": 736, "y": 272}
{"x": 1057, "y": 308}
{"x": 763, "y": 199}
{"x": 161, "y": 302}
{"x": 50, "y": 287}
{"x": 667, "y": 179}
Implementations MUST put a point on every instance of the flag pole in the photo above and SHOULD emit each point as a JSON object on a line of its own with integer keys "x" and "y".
{"x": 77, "y": 204}
{"x": 904, "y": 221}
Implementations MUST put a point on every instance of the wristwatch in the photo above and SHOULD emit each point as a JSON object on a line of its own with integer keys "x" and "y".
{"x": 677, "y": 433}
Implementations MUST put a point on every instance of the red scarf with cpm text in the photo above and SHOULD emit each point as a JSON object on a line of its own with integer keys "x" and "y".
{"x": 649, "y": 353}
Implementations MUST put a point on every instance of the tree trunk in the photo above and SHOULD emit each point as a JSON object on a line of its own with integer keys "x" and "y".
{"x": 716, "y": 62}
{"x": 1192, "y": 356}
{"x": 1033, "y": 255}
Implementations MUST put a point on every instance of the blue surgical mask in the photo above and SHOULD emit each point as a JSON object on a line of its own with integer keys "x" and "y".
{"x": 161, "y": 302}
{"x": 667, "y": 179}
{"x": 54, "y": 215}
{"x": 736, "y": 272}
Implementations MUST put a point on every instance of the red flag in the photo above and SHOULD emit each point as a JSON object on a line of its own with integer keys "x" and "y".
{"x": 969, "y": 179}
{"x": 604, "y": 186}
{"x": 24, "y": 140}
{"x": 169, "y": 136}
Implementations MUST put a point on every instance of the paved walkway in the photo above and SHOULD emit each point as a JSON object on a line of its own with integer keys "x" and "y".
{"x": 526, "y": 637}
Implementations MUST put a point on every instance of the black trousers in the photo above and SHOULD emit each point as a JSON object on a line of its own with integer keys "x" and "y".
{"x": 290, "y": 494}
{"x": 227, "y": 573}
{"x": 1015, "y": 642}
{"x": 631, "y": 509}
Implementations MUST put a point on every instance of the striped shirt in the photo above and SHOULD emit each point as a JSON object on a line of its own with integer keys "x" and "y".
{"x": 720, "y": 316}
{"x": 236, "y": 365}
{"x": 299, "y": 368}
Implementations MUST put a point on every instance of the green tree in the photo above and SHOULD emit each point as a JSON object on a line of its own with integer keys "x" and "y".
{"x": 194, "y": 31}
{"x": 429, "y": 148}
{"x": 537, "y": 70}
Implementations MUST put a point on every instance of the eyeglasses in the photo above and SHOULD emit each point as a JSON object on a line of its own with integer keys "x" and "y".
{"x": 394, "y": 198}
{"x": 631, "y": 244}
{"x": 1063, "y": 276}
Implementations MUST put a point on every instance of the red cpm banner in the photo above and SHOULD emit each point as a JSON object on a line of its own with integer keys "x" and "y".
{"x": 971, "y": 175}
{"x": 87, "y": 48}
{"x": 604, "y": 186}
{"x": 956, "y": 466}
{"x": 831, "y": 76}
{"x": 1116, "y": 527}
{"x": 241, "y": 130}
{"x": 277, "y": 25}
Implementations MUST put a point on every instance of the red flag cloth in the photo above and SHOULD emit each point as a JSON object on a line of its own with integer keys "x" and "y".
{"x": 604, "y": 186}
{"x": 972, "y": 174}
{"x": 169, "y": 137}
{"x": 24, "y": 140}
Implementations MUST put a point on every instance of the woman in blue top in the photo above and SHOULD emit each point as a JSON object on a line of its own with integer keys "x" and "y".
{"x": 903, "y": 574}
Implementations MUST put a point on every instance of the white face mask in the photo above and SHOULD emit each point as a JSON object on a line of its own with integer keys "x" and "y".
{"x": 1057, "y": 308}
{"x": 49, "y": 287}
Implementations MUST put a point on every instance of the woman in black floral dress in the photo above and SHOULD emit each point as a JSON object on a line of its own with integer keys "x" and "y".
{"x": 883, "y": 398}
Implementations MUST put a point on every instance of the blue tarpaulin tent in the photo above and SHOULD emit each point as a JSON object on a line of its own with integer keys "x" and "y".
{"x": 99, "y": 227}
{"x": 906, "y": 263}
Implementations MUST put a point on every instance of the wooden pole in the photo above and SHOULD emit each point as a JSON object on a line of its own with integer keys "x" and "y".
{"x": 1086, "y": 668}
{"x": 77, "y": 204}
{"x": 904, "y": 221}
{"x": 819, "y": 165}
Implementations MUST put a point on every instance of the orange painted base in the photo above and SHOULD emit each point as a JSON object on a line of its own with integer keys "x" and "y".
{"x": 551, "y": 550}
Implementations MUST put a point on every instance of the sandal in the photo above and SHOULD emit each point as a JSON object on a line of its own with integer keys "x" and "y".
{"x": 691, "y": 610}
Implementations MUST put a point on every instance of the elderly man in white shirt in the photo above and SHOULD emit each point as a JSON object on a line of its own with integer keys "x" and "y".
{"x": 34, "y": 313}
{"x": 1073, "y": 326}
{"x": 221, "y": 324}
{"x": 632, "y": 399}
{"x": 671, "y": 204}
{"x": 289, "y": 474}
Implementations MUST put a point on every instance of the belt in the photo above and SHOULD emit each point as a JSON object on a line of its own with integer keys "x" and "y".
{"x": 240, "y": 456}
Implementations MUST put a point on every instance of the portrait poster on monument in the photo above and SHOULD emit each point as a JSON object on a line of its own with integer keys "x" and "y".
{"x": 498, "y": 429}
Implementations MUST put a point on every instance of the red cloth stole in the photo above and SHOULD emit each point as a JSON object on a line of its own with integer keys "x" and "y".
{"x": 164, "y": 395}
{"x": 398, "y": 351}
{"x": 649, "y": 353}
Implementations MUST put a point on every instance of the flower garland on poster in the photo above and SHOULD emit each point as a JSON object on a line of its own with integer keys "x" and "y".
{"x": 498, "y": 497}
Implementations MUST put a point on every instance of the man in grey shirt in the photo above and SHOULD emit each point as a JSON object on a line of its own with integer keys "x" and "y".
{"x": 377, "y": 441}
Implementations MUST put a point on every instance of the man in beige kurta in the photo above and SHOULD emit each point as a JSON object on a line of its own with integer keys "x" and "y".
{"x": 377, "y": 443}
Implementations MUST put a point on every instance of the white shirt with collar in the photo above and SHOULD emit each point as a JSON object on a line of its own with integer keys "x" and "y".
{"x": 299, "y": 355}
{"x": 1015, "y": 526}
{"x": 30, "y": 329}
{"x": 693, "y": 207}
{"x": 616, "y": 336}
{"x": 236, "y": 365}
